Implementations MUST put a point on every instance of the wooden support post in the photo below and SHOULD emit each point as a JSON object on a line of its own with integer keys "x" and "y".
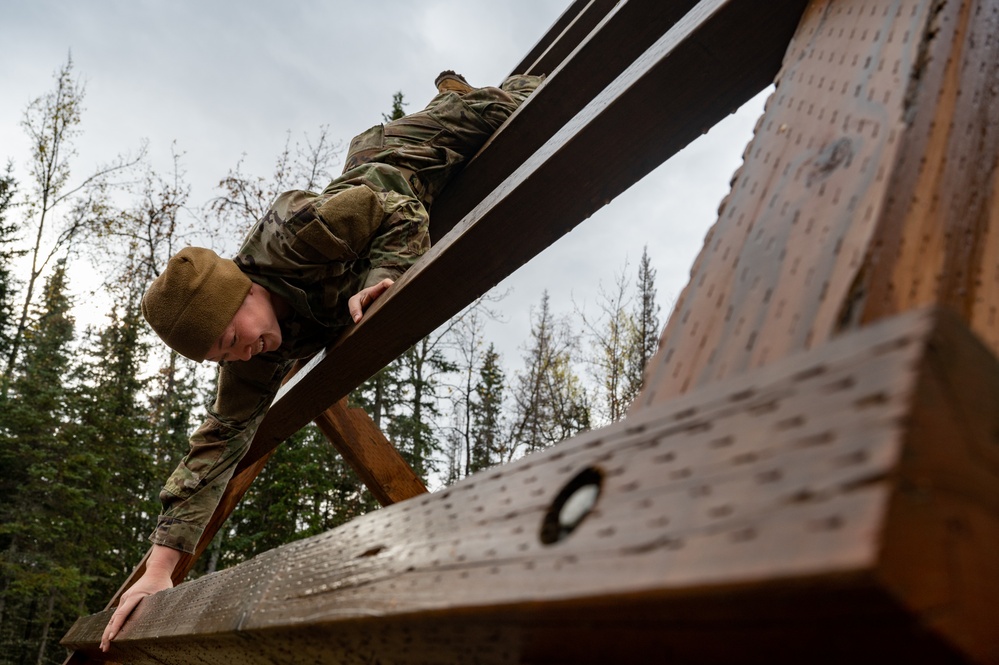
{"x": 840, "y": 505}
{"x": 871, "y": 187}
{"x": 372, "y": 457}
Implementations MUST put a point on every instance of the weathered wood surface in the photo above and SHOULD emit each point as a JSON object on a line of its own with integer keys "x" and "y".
{"x": 869, "y": 188}
{"x": 362, "y": 445}
{"x": 841, "y": 505}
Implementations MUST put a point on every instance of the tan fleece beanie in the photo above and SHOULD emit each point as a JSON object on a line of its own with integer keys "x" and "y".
{"x": 190, "y": 304}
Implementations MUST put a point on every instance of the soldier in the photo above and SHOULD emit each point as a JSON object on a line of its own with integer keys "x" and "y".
{"x": 306, "y": 271}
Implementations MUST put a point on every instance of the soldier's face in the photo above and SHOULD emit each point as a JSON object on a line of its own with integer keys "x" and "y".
{"x": 253, "y": 330}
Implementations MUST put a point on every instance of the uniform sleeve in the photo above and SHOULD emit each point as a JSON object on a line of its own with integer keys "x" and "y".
{"x": 194, "y": 489}
{"x": 402, "y": 238}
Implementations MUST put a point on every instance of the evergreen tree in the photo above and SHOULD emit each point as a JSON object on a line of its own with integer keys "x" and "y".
{"x": 645, "y": 331}
{"x": 411, "y": 427}
{"x": 488, "y": 439}
{"x": 305, "y": 489}
{"x": 377, "y": 395}
{"x": 8, "y": 253}
{"x": 402, "y": 400}
{"x": 397, "y": 110}
{"x": 111, "y": 431}
{"x": 45, "y": 508}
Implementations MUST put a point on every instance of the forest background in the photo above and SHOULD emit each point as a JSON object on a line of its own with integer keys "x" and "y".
{"x": 95, "y": 413}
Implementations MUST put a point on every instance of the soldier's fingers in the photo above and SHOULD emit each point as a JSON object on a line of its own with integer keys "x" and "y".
{"x": 125, "y": 608}
{"x": 354, "y": 307}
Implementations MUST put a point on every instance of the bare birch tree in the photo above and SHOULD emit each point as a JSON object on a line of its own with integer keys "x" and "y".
{"x": 57, "y": 210}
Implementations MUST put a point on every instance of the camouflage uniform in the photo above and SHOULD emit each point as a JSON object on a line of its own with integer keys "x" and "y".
{"x": 317, "y": 250}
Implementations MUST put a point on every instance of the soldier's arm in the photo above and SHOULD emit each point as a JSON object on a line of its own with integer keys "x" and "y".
{"x": 191, "y": 493}
{"x": 401, "y": 239}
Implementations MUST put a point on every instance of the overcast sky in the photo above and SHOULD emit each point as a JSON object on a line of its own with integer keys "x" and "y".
{"x": 228, "y": 78}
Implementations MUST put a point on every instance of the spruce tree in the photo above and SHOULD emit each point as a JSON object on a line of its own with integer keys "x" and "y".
{"x": 112, "y": 434}
{"x": 488, "y": 438}
{"x": 45, "y": 507}
{"x": 8, "y": 253}
{"x": 411, "y": 427}
{"x": 645, "y": 331}
{"x": 305, "y": 489}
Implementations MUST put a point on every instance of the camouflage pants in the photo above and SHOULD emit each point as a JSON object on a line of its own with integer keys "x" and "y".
{"x": 430, "y": 146}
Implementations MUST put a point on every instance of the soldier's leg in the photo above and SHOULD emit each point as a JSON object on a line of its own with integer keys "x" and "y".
{"x": 430, "y": 146}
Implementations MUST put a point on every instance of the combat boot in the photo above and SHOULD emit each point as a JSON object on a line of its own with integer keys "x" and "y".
{"x": 449, "y": 81}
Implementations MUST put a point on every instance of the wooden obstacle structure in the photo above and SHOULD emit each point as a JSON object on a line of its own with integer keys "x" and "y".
{"x": 811, "y": 473}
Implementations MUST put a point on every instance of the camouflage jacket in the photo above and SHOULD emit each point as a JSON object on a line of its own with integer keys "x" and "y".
{"x": 317, "y": 250}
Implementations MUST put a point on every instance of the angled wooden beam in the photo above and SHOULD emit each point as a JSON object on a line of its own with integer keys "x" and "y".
{"x": 372, "y": 457}
{"x": 841, "y": 505}
{"x": 563, "y": 36}
{"x": 621, "y": 33}
{"x": 870, "y": 188}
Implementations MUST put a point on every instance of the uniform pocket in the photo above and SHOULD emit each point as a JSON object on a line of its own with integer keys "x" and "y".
{"x": 352, "y": 217}
{"x": 315, "y": 243}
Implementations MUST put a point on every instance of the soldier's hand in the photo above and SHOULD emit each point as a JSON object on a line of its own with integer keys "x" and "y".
{"x": 361, "y": 300}
{"x": 157, "y": 576}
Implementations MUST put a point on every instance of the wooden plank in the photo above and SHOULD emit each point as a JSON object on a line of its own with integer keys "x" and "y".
{"x": 771, "y": 514}
{"x": 869, "y": 188}
{"x": 602, "y": 47}
{"x": 561, "y": 35}
{"x": 939, "y": 545}
{"x": 362, "y": 445}
{"x": 372, "y": 457}
{"x": 936, "y": 239}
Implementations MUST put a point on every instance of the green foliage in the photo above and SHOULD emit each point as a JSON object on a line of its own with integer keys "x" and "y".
{"x": 488, "y": 438}
{"x": 8, "y": 253}
{"x": 305, "y": 489}
{"x": 397, "y": 108}
{"x": 43, "y": 500}
{"x": 644, "y": 332}
{"x": 403, "y": 401}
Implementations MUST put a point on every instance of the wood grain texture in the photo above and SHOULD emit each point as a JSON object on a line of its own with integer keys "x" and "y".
{"x": 772, "y": 514}
{"x": 869, "y": 188}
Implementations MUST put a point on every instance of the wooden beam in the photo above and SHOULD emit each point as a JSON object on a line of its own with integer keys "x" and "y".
{"x": 869, "y": 188}
{"x": 596, "y": 51}
{"x": 372, "y": 457}
{"x": 841, "y": 505}
{"x": 579, "y": 18}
